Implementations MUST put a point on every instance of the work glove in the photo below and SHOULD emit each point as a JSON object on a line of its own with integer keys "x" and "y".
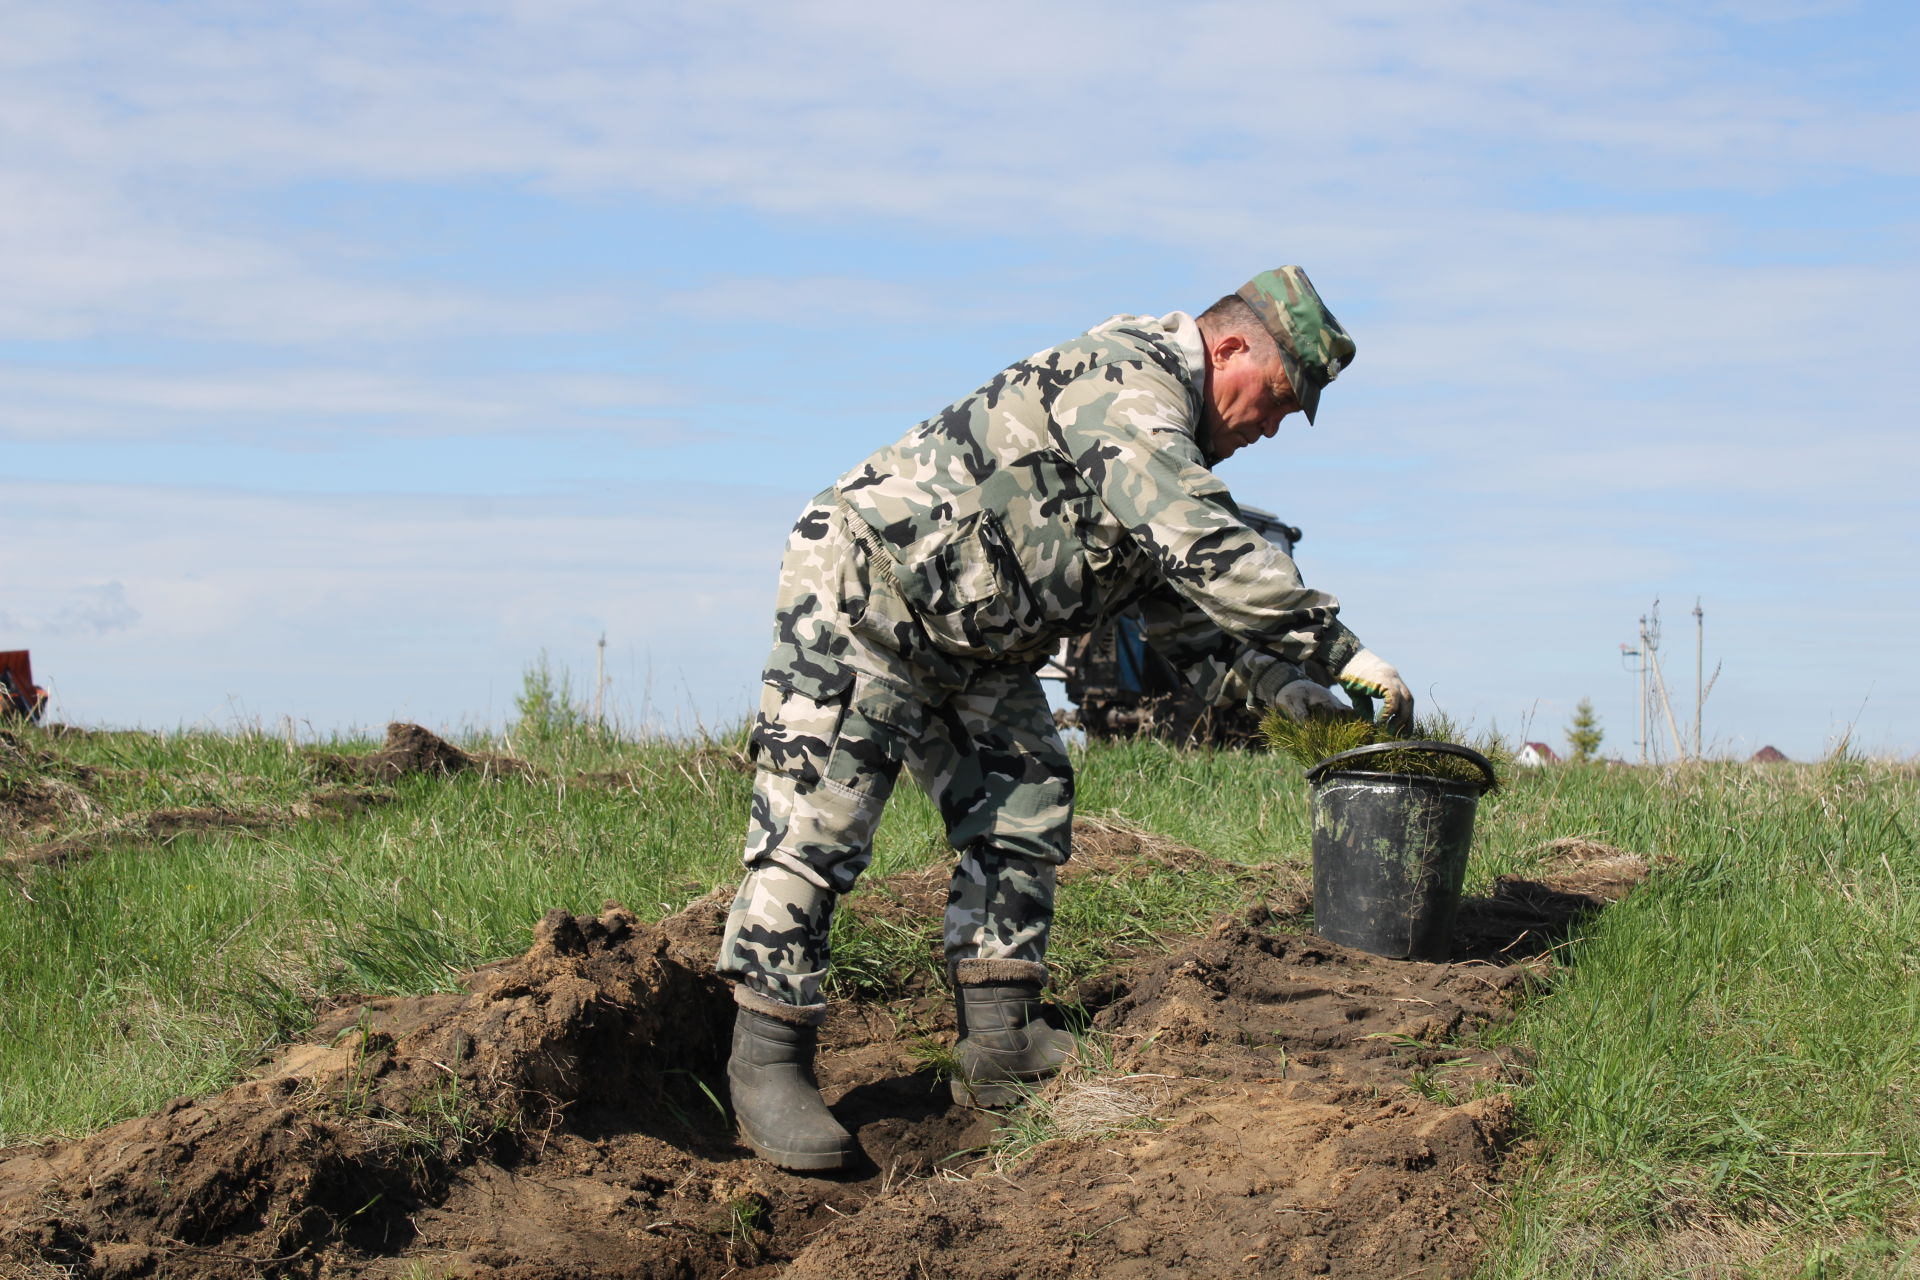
{"x": 1302, "y": 698}
{"x": 1365, "y": 673}
{"x": 1282, "y": 687}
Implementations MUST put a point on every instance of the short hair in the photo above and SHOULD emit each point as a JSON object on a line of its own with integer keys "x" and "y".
{"x": 1233, "y": 315}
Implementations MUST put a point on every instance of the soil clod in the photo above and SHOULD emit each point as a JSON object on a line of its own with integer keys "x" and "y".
{"x": 411, "y": 750}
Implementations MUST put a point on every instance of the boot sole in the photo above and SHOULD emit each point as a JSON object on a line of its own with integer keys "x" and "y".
{"x": 798, "y": 1161}
{"x": 988, "y": 1096}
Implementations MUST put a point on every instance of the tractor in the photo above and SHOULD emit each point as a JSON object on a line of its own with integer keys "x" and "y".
{"x": 20, "y": 697}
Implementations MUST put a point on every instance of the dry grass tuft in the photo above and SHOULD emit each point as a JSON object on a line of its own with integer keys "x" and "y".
{"x": 1110, "y": 846}
{"x": 1091, "y": 1106}
{"x": 1085, "y": 1101}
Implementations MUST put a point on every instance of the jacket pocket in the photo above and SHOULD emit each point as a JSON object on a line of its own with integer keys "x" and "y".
{"x": 961, "y": 581}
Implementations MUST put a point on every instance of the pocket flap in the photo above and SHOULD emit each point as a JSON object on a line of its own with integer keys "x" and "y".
{"x": 822, "y": 681}
{"x": 880, "y": 703}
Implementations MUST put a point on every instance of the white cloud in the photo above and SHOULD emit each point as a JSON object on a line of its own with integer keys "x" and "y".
{"x": 64, "y": 610}
{"x": 1383, "y": 151}
{"x": 342, "y": 611}
{"x": 1095, "y": 111}
{"x": 120, "y": 403}
{"x": 94, "y": 610}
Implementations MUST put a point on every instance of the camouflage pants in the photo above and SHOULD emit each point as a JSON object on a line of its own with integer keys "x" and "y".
{"x": 839, "y": 717}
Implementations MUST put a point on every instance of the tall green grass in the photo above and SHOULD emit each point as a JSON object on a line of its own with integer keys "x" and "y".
{"x": 1728, "y": 1079}
{"x": 161, "y": 967}
{"x": 1721, "y": 1082}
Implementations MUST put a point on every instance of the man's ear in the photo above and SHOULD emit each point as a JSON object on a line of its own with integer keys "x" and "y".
{"x": 1224, "y": 348}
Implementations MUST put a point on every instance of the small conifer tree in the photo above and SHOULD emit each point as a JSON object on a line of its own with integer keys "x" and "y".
{"x": 1584, "y": 734}
{"x": 545, "y": 702}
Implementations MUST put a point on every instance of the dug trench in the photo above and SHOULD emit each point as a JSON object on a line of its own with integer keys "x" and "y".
{"x": 1252, "y": 1102}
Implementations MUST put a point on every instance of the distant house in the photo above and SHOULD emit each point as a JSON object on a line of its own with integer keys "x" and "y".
{"x": 1769, "y": 755}
{"x": 1535, "y": 754}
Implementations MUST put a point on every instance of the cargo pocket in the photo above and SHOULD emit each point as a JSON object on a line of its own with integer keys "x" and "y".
{"x": 881, "y": 723}
{"x": 959, "y": 578}
{"x": 797, "y": 722}
{"x": 977, "y": 600}
{"x": 829, "y": 754}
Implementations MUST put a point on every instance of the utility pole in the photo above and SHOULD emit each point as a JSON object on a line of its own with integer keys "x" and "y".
{"x": 1699, "y": 686}
{"x": 599, "y": 679}
{"x": 1653, "y": 683}
{"x": 1666, "y": 703}
{"x": 1649, "y": 655}
{"x": 1639, "y": 693}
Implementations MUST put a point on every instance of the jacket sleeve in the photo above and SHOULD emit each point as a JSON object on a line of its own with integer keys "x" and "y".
{"x": 1219, "y": 666}
{"x": 1128, "y": 429}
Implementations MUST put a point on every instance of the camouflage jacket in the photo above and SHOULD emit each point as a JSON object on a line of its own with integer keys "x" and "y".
{"x": 1066, "y": 489}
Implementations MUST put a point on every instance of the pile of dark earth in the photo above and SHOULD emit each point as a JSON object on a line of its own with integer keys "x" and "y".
{"x": 1253, "y": 1102}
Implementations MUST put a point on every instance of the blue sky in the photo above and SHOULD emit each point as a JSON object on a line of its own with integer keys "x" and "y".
{"x": 353, "y": 354}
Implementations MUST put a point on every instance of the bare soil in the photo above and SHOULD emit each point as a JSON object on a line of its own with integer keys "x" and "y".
{"x": 409, "y": 750}
{"x": 1256, "y": 1102}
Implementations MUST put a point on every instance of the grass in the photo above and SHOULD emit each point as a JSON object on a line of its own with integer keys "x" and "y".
{"x": 161, "y": 967}
{"x": 1722, "y": 1081}
{"x": 1726, "y": 1080}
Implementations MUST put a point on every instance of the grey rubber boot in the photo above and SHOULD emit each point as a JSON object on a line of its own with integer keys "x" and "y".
{"x": 775, "y": 1096}
{"x": 1004, "y": 1042}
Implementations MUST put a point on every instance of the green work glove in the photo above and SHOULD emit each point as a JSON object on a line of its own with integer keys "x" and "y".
{"x": 1366, "y": 673}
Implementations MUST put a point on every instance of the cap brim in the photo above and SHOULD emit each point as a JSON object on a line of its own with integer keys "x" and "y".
{"x": 1304, "y": 389}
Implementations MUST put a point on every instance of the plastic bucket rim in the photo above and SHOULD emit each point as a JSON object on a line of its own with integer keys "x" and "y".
{"x": 1470, "y": 790}
{"x": 1317, "y": 772}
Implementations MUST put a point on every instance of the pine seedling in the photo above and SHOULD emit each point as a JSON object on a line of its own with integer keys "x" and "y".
{"x": 1319, "y": 736}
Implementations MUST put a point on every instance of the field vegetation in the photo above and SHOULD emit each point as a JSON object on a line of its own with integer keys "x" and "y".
{"x": 1720, "y": 1078}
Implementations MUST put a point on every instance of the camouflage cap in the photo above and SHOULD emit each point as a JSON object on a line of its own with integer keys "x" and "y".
{"x": 1313, "y": 346}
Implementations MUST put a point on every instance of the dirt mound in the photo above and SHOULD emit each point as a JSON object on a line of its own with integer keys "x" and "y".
{"x": 34, "y": 804}
{"x": 1102, "y": 846}
{"x": 1257, "y": 1104}
{"x": 1257, "y": 1116}
{"x": 1596, "y": 871}
{"x": 410, "y": 749}
{"x": 336, "y": 802}
{"x": 332, "y": 1149}
{"x": 38, "y": 790}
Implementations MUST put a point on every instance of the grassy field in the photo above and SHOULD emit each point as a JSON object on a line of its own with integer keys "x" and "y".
{"x": 1723, "y": 1078}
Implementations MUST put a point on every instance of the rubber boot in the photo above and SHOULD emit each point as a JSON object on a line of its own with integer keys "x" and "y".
{"x": 1004, "y": 1042}
{"x": 775, "y": 1096}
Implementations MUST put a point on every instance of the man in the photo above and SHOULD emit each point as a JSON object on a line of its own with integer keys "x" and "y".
{"x": 918, "y": 595}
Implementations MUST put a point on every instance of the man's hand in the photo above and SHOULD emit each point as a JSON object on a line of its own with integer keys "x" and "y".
{"x": 1301, "y": 699}
{"x": 1366, "y": 673}
{"x": 1281, "y": 686}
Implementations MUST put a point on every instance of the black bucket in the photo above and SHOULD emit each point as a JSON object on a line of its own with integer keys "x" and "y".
{"x": 1390, "y": 852}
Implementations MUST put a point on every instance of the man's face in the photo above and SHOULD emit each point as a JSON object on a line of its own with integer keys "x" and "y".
{"x": 1246, "y": 397}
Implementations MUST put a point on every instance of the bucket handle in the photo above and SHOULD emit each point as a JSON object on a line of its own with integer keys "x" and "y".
{"x": 1376, "y": 748}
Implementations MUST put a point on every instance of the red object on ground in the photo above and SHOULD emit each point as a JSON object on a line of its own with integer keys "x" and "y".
{"x": 19, "y": 695}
